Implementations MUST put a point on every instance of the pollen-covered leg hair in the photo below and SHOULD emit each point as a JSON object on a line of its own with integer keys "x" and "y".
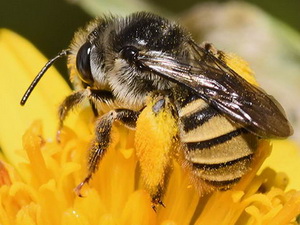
{"x": 156, "y": 197}
{"x": 76, "y": 98}
{"x": 155, "y": 136}
{"x": 103, "y": 138}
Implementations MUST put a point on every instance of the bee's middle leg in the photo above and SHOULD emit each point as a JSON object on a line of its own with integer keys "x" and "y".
{"x": 103, "y": 138}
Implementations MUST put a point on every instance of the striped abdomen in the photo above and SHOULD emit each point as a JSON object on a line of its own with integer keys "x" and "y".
{"x": 218, "y": 150}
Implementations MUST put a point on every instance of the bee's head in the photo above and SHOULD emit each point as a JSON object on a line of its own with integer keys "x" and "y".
{"x": 108, "y": 56}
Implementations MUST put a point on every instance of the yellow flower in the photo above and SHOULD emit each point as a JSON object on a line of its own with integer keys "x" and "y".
{"x": 37, "y": 178}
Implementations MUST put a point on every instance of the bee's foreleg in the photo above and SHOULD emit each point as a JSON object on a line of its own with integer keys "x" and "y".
{"x": 68, "y": 104}
{"x": 76, "y": 98}
{"x": 103, "y": 138}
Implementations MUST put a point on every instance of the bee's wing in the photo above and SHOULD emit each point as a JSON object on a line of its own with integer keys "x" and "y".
{"x": 224, "y": 89}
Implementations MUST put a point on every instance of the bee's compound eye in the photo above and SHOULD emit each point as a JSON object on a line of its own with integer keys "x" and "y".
{"x": 129, "y": 53}
{"x": 83, "y": 63}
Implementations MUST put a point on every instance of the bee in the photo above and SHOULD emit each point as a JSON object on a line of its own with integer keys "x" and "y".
{"x": 146, "y": 64}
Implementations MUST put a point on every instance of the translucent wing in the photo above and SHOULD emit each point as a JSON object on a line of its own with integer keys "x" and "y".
{"x": 223, "y": 88}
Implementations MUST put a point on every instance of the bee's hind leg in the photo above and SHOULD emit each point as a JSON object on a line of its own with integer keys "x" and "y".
{"x": 155, "y": 144}
{"x": 103, "y": 139}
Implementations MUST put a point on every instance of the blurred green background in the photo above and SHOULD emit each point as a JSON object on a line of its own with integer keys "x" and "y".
{"x": 50, "y": 24}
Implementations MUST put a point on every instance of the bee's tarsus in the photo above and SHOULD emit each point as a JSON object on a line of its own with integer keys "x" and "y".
{"x": 58, "y": 135}
{"x": 154, "y": 207}
{"x": 156, "y": 202}
{"x": 77, "y": 190}
{"x": 162, "y": 204}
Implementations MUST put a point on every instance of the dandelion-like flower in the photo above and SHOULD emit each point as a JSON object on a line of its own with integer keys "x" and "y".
{"x": 38, "y": 176}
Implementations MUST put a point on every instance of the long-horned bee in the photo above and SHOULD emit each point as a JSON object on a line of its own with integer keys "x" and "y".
{"x": 217, "y": 116}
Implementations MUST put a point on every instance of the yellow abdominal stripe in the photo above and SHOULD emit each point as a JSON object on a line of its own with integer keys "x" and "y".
{"x": 154, "y": 141}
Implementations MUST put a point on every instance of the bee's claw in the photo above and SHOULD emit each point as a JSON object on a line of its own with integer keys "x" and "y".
{"x": 162, "y": 204}
{"x": 154, "y": 207}
{"x": 77, "y": 190}
{"x": 156, "y": 202}
{"x": 58, "y": 136}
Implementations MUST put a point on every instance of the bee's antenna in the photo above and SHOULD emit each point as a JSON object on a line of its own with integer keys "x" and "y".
{"x": 41, "y": 73}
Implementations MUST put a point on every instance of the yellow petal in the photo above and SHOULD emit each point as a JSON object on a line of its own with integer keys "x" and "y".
{"x": 19, "y": 64}
{"x": 285, "y": 158}
{"x": 71, "y": 217}
{"x": 139, "y": 202}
